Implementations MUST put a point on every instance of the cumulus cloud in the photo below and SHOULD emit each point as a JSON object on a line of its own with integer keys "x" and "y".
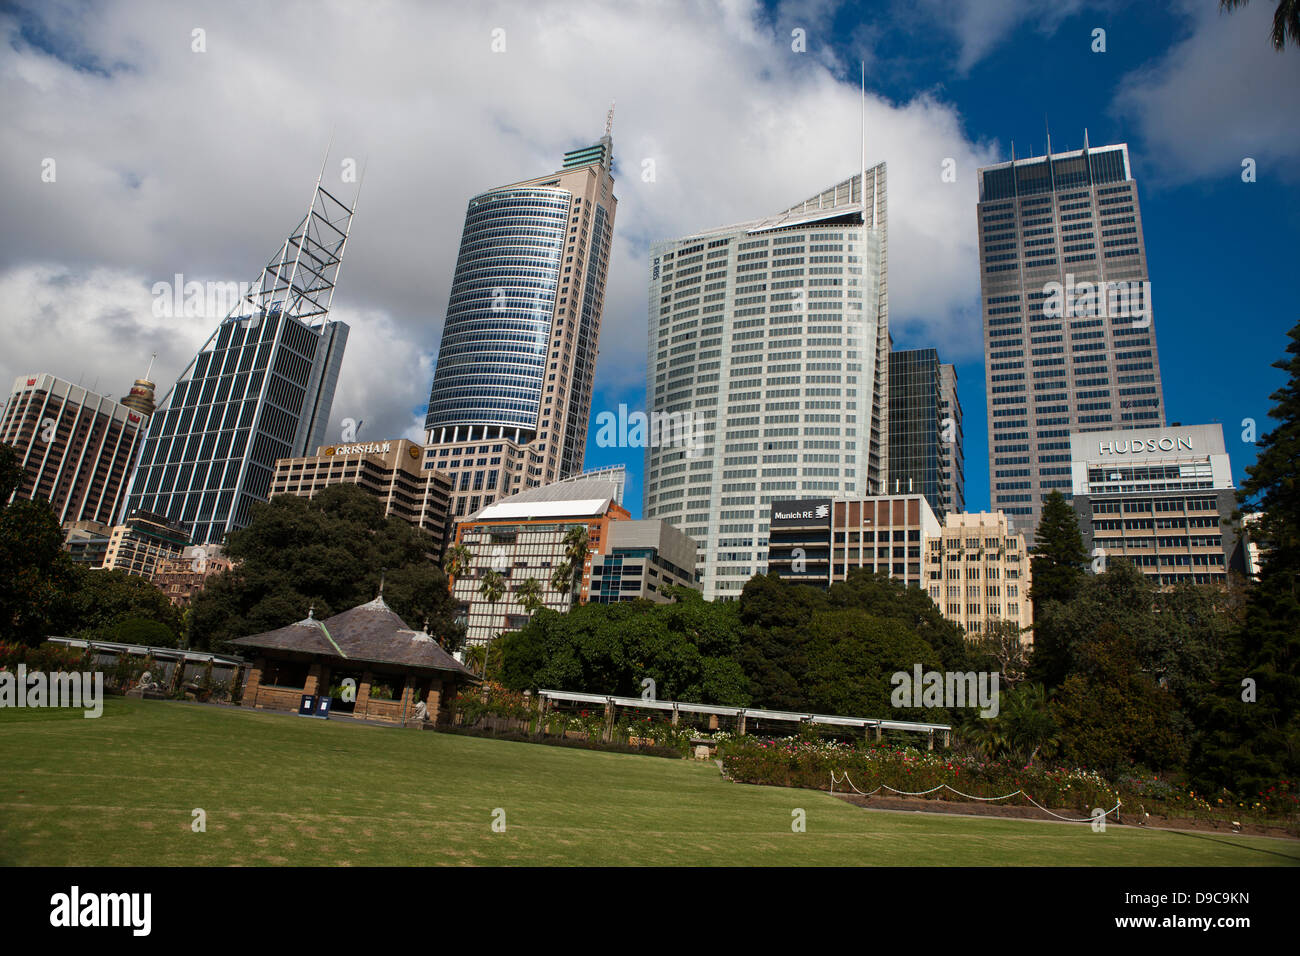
{"x": 1218, "y": 96}
{"x": 170, "y": 160}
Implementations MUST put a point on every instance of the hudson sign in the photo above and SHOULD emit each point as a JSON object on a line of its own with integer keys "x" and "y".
{"x": 1138, "y": 445}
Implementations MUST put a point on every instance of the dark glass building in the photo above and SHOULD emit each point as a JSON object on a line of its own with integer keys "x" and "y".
{"x": 260, "y": 389}
{"x": 925, "y": 454}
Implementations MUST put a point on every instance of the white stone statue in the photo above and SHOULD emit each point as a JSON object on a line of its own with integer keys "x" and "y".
{"x": 421, "y": 710}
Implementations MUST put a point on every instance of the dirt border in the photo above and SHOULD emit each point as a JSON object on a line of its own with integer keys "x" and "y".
{"x": 964, "y": 808}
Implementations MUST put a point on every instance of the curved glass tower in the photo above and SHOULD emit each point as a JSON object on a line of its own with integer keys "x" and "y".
{"x": 511, "y": 394}
{"x": 492, "y": 361}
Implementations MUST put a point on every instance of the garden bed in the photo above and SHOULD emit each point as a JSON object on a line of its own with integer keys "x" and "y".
{"x": 1019, "y": 812}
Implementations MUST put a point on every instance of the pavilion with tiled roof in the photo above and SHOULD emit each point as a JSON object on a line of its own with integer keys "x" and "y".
{"x": 393, "y": 667}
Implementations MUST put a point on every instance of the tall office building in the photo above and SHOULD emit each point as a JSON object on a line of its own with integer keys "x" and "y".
{"x": 952, "y": 460}
{"x": 1063, "y": 353}
{"x": 1162, "y": 498}
{"x": 511, "y": 393}
{"x": 925, "y": 454}
{"x": 260, "y": 388}
{"x": 75, "y": 446}
{"x": 772, "y": 336}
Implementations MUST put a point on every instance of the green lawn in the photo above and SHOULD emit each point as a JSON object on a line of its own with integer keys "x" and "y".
{"x": 119, "y": 790}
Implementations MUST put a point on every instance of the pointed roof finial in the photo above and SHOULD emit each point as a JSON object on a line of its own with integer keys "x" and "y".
{"x": 609, "y": 119}
{"x": 382, "y": 573}
{"x": 311, "y": 612}
{"x": 151, "y": 361}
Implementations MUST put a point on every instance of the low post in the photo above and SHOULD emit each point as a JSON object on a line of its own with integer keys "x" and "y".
{"x": 929, "y": 741}
{"x": 740, "y": 723}
{"x": 607, "y": 732}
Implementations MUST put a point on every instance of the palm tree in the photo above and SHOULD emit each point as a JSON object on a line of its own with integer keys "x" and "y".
{"x": 1286, "y": 20}
{"x": 457, "y": 560}
{"x": 493, "y": 587}
{"x": 529, "y": 596}
{"x": 1028, "y": 722}
{"x": 562, "y": 577}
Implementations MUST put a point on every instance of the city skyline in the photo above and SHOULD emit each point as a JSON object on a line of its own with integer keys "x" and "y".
{"x": 96, "y": 294}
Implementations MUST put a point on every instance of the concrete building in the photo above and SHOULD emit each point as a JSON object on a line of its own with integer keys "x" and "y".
{"x": 1066, "y": 348}
{"x": 76, "y": 447}
{"x": 526, "y": 536}
{"x": 182, "y": 577}
{"x": 821, "y": 541}
{"x": 978, "y": 571}
{"x": 143, "y": 542}
{"x": 87, "y": 542}
{"x": 260, "y": 388}
{"x": 639, "y": 560}
{"x": 511, "y": 394}
{"x": 772, "y": 338}
{"x": 1160, "y": 497}
{"x": 392, "y": 471}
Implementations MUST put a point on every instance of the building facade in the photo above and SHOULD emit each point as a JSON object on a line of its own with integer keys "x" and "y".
{"x": 772, "y": 338}
{"x": 640, "y": 559}
{"x": 925, "y": 453}
{"x": 822, "y": 541}
{"x": 143, "y": 542}
{"x": 511, "y": 394}
{"x": 182, "y": 577}
{"x": 260, "y": 389}
{"x": 978, "y": 572}
{"x": 1162, "y": 498}
{"x": 952, "y": 459}
{"x": 527, "y": 536}
{"x": 391, "y": 471}
{"x": 76, "y": 447}
{"x": 1069, "y": 339}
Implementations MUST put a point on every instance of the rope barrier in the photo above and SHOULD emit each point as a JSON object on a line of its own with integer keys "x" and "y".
{"x": 944, "y": 786}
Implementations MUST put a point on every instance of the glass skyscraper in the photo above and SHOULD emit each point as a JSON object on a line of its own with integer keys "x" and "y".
{"x": 511, "y": 394}
{"x": 925, "y": 430}
{"x": 773, "y": 337}
{"x": 1069, "y": 341}
{"x": 259, "y": 389}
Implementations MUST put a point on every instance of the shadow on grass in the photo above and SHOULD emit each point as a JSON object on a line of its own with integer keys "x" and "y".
{"x": 1240, "y": 846}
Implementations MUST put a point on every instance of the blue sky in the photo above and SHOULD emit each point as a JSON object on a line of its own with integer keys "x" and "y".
{"x": 1221, "y": 252}
{"x": 173, "y": 159}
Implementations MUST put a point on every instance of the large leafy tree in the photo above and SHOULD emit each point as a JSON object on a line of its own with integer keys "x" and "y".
{"x": 35, "y": 572}
{"x": 835, "y": 650}
{"x": 1286, "y": 21}
{"x": 330, "y": 552}
{"x": 1246, "y": 744}
{"x": 687, "y": 648}
{"x": 1112, "y": 715}
{"x": 116, "y": 606}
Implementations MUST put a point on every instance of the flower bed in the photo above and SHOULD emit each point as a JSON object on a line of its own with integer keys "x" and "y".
{"x": 792, "y": 762}
{"x": 796, "y": 762}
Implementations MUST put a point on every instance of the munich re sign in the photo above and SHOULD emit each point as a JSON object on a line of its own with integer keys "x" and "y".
{"x": 788, "y": 512}
{"x": 365, "y": 448}
{"x": 1140, "y": 445}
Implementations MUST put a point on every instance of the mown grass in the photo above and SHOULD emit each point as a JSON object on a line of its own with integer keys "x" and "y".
{"x": 120, "y": 790}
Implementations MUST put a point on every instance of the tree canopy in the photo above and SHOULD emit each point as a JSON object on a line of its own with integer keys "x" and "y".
{"x": 329, "y": 552}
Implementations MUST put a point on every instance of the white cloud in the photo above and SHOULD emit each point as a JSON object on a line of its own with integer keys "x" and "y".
{"x": 1217, "y": 97}
{"x": 172, "y": 161}
{"x": 979, "y": 26}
